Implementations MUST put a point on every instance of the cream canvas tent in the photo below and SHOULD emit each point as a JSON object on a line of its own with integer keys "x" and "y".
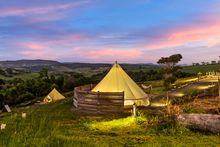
{"x": 117, "y": 80}
{"x": 54, "y": 95}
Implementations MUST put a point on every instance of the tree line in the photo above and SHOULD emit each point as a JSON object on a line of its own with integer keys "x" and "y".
{"x": 18, "y": 90}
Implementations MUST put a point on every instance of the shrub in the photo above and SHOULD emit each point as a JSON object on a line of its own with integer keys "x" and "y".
{"x": 1, "y": 100}
{"x": 192, "y": 109}
{"x": 188, "y": 97}
{"x": 25, "y": 96}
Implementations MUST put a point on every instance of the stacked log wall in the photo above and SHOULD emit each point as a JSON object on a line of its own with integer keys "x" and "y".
{"x": 98, "y": 102}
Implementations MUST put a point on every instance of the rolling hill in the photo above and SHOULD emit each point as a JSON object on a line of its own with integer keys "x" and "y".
{"x": 37, "y": 65}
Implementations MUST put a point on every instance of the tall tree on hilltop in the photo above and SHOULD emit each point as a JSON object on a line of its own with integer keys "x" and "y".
{"x": 170, "y": 68}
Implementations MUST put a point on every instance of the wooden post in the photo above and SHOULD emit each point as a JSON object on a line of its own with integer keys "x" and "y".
{"x": 98, "y": 103}
{"x": 167, "y": 97}
{"x": 134, "y": 110}
{"x": 3, "y": 126}
{"x": 23, "y": 115}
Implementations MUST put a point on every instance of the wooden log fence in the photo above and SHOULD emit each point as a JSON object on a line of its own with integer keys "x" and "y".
{"x": 98, "y": 102}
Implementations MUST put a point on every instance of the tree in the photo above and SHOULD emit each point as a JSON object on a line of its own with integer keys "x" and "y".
{"x": 1, "y": 100}
{"x": 60, "y": 82}
{"x": 9, "y": 71}
{"x": 25, "y": 96}
{"x": 2, "y": 82}
{"x": 213, "y": 62}
{"x": 170, "y": 68}
{"x": 11, "y": 95}
{"x": 44, "y": 73}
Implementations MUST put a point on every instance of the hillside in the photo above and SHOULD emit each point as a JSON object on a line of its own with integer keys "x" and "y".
{"x": 28, "y": 63}
{"x": 58, "y": 124}
{"x": 89, "y": 69}
{"x": 37, "y": 65}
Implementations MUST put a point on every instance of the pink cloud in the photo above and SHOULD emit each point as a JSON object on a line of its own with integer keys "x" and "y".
{"x": 207, "y": 34}
{"x": 35, "y": 50}
{"x": 33, "y": 45}
{"x": 35, "y": 54}
{"x": 43, "y": 9}
{"x": 67, "y": 38}
{"x": 109, "y": 54}
{"x": 45, "y": 43}
{"x": 45, "y": 18}
{"x": 50, "y": 53}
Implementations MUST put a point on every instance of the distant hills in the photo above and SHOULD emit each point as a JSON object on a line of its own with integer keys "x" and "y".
{"x": 27, "y": 63}
{"x": 37, "y": 65}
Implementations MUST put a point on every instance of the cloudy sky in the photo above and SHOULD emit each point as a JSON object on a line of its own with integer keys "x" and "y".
{"x": 131, "y": 31}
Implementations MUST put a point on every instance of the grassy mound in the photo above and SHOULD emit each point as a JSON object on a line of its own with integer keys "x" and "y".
{"x": 56, "y": 124}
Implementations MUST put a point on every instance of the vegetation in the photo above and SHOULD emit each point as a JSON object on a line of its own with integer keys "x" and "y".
{"x": 170, "y": 69}
{"x": 201, "y": 68}
{"x": 57, "y": 125}
{"x": 188, "y": 96}
{"x": 28, "y": 86}
{"x": 17, "y": 90}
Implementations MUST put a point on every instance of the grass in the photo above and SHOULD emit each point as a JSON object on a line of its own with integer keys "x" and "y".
{"x": 56, "y": 124}
{"x": 201, "y": 68}
{"x": 157, "y": 87}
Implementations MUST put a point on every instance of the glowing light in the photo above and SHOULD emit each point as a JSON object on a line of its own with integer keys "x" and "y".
{"x": 159, "y": 104}
{"x": 180, "y": 94}
{"x": 189, "y": 80}
{"x": 204, "y": 87}
{"x": 115, "y": 124}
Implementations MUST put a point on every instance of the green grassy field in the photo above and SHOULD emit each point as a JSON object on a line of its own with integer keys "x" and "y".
{"x": 56, "y": 125}
{"x": 201, "y": 68}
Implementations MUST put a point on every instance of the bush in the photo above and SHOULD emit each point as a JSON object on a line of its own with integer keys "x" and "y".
{"x": 1, "y": 100}
{"x": 213, "y": 91}
{"x": 26, "y": 96}
{"x": 192, "y": 93}
{"x": 188, "y": 97}
{"x": 191, "y": 109}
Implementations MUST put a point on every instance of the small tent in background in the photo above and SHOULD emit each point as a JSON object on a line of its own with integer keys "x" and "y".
{"x": 54, "y": 95}
{"x": 117, "y": 80}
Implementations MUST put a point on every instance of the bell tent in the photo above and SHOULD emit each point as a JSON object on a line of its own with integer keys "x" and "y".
{"x": 117, "y": 80}
{"x": 54, "y": 95}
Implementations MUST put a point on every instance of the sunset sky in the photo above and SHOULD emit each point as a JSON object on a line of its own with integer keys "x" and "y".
{"x": 130, "y": 31}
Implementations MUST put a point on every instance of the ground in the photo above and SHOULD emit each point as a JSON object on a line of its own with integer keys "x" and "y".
{"x": 59, "y": 124}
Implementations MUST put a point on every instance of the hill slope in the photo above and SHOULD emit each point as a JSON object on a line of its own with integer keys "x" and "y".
{"x": 56, "y": 124}
{"x": 37, "y": 65}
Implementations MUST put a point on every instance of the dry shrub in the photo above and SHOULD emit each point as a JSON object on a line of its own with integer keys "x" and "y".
{"x": 173, "y": 110}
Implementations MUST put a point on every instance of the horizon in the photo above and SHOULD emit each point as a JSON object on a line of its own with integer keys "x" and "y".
{"x": 75, "y": 62}
{"x": 86, "y": 31}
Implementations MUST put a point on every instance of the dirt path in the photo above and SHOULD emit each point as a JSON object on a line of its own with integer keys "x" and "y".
{"x": 201, "y": 85}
